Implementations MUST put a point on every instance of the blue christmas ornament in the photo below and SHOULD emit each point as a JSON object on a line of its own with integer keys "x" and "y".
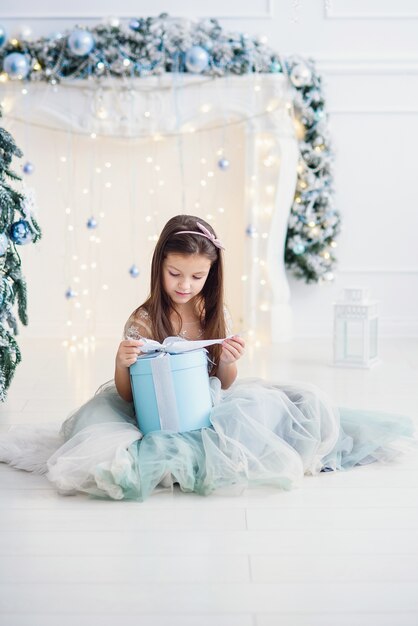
{"x": 81, "y": 42}
{"x": 56, "y": 34}
{"x": 3, "y": 36}
{"x": 134, "y": 25}
{"x": 134, "y": 271}
{"x": 275, "y": 67}
{"x": 16, "y": 65}
{"x": 70, "y": 293}
{"x": 20, "y": 232}
{"x": 91, "y": 223}
{"x": 196, "y": 59}
{"x": 223, "y": 164}
{"x": 4, "y": 243}
{"x": 251, "y": 231}
{"x": 298, "y": 248}
{"x": 28, "y": 168}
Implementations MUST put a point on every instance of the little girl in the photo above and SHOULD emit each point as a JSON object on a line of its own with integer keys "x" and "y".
{"x": 262, "y": 433}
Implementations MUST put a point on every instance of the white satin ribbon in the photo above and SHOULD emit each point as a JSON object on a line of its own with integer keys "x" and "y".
{"x": 164, "y": 392}
{"x": 177, "y": 345}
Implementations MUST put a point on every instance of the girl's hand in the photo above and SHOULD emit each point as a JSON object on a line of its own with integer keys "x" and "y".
{"x": 232, "y": 349}
{"x": 128, "y": 351}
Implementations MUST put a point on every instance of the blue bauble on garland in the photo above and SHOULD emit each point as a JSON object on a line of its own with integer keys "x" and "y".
{"x": 134, "y": 271}
{"x": 20, "y": 232}
{"x": 69, "y": 294}
{"x": 134, "y": 24}
{"x": 28, "y": 168}
{"x": 276, "y": 67}
{"x": 223, "y": 164}
{"x": 16, "y": 65}
{"x": 4, "y": 244}
{"x": 91, "y": 223}
{"x": 81, "y": 42}
{"x": 298, "y": 248}
{"x": 251, "y": 231}
{"x": 196, "y": 60}
{"x": 3, "y": 36}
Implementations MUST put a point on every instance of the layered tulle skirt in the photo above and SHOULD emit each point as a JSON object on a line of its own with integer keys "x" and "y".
{"x": 262, "y": 433}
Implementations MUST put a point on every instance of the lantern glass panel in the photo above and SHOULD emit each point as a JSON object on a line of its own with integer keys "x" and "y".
{"x": 354, "y": 340}
{"x": 373, "y": 338}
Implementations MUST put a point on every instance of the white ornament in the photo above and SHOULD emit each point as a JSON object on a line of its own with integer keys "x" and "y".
{"x": 300, "y": 75}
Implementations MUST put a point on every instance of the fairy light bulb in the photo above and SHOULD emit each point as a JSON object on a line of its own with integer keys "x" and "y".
{"x": 101, "y": 113}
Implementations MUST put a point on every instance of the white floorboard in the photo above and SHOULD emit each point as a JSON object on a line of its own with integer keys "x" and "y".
{"x": 342, "y": 549}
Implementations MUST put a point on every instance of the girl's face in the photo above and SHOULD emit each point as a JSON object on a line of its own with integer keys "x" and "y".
{"x": 184, "y": 275}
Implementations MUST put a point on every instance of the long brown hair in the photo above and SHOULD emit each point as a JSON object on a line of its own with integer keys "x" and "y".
{"x": 210, "y": 303}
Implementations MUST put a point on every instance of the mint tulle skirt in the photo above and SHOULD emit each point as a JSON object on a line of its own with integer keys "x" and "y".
{"x": 262, "y": 434}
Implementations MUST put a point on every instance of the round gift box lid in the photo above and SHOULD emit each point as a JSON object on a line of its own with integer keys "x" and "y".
{"x": 185, "y": 360}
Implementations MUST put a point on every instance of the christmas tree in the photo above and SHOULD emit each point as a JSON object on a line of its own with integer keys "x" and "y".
{"x": 17, "y": 227}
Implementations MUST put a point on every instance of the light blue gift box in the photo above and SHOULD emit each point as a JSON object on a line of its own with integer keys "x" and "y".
{"x": 171, "y": 391}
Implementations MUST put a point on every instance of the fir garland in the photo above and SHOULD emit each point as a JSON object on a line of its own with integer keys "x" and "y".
{"x": 13, "y": 205}
{"x": 156, "y": 45}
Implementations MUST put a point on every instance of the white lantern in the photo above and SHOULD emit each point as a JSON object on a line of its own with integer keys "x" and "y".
{"x": 355, "y": 329}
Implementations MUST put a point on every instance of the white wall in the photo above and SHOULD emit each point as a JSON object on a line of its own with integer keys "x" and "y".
{"x": 367, "y": 53}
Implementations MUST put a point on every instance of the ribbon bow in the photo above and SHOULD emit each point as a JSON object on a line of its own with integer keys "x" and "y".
{"x": 177, "y": 345}
{"x": 205, "y": 233}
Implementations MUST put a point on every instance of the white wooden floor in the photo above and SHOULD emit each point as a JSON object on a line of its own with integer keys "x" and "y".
{"x": 341, "y": 550}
